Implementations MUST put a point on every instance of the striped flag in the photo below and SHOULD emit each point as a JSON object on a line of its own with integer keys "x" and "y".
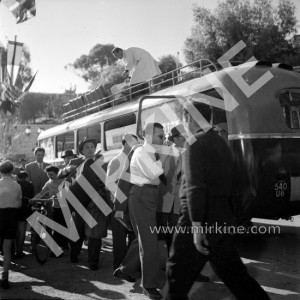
{"x": 85, "y": 187}
{"x": 8, "y": 105}
{"x": 10, "y": 93}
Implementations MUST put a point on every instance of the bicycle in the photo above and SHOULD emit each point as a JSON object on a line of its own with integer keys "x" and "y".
{"x": 38, "y": 244}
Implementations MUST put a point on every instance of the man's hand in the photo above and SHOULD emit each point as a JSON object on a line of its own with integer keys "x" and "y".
{"x": 200, "y": 240}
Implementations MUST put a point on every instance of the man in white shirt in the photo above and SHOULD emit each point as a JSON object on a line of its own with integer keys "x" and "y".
{"x": 140, "y": 66}
{"x": 145, "y": 173}
{"x": 114, "y": 169}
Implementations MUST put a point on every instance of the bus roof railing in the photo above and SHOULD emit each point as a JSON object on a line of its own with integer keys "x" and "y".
{"x": 193, "y": 70}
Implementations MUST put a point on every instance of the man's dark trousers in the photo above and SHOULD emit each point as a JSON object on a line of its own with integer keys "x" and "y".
{"x": 120, "y": 247}
{"x": 142, "y": 205}
{"x": 94, "y": 245}
{"x": 185, "y": 263}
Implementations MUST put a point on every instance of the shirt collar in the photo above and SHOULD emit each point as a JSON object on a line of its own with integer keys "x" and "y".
{"x": 148, "y": 147}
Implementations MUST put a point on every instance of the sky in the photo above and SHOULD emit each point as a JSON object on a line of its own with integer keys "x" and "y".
{"x": 63, "y": 30}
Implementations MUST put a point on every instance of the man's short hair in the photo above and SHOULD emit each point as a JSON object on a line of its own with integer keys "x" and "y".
{"x": 52, "y": 169}
{"x": 37, "y": 149}
{"x": 125, "y": 137}
{"x": 116, "y": 50}
{"x": 149, "y": 128}
{"x": 6, "y": 167}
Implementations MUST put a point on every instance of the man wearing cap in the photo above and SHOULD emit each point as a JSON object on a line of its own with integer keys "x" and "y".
{"x": 22, "y": 163}
{"x": 87, "y": 148}
{"x": 169, "y": 202}
{"x": 67, "y": 156}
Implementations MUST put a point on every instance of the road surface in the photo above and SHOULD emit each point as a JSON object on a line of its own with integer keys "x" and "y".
{"x": 273, "y": 259}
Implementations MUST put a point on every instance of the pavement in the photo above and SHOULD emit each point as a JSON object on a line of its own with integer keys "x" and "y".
{"x": 273, "y": 259}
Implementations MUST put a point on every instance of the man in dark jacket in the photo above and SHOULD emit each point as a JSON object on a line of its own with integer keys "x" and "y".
{"x": 205, "y": 215}
{"x": 87, "y": 147}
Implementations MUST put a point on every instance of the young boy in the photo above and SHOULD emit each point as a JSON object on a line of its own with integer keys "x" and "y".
{"x": 49, "y": 190}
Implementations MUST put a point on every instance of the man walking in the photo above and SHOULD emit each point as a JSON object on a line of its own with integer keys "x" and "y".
{"x": 205, "y": 191}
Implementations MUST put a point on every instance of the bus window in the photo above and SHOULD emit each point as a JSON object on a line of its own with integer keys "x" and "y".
{"x": 290, "y": 103}
{"x": 116, "y": 128}
{"x": 64, "y": 142}
{"x": 91, "y": 132}
{"x": 48, "y": 145}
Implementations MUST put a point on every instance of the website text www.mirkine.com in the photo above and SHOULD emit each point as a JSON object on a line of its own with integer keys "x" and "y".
{"x": 216, "y": 229}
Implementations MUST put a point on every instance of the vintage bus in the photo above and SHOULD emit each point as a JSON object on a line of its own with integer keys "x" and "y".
{"x": 263, "y": 121}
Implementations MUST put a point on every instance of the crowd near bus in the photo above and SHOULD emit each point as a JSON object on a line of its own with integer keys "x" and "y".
{"x": 200, "y": 153}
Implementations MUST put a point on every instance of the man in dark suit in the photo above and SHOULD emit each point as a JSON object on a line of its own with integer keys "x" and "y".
{"x": 205, "y": 215}
{"x": 36, "y": 170}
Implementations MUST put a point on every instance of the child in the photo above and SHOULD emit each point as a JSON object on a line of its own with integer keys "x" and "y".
{"x": 50, "y": 189}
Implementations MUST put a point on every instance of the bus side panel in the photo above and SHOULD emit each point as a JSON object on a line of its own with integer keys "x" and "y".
{"x": 266, "y": 178}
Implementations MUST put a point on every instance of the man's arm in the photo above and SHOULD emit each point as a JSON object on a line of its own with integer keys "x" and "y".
{"x": 27, "y": 169}
{"x": 194, "y": 164}
{"x": 129, "y": 60}
{"x": 43, "y": 192}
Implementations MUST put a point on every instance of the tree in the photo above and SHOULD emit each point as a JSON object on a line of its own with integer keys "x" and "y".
{"x": 110, "y": 75}
{"x": 37, "y": 105}
{"x": 265, "y": 30}
{"x": 168, "y": 63}
{"x": 90, "y": 66}
{"x": 32, "y": 107}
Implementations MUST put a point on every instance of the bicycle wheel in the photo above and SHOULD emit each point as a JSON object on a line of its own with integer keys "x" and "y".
{"x": 40, "y": 248}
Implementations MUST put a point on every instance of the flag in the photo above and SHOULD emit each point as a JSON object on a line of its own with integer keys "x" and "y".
{"x": 8, "y": 105}
{"x": 23, "y": 10}
{"x": 10, "y": 92}
{"x": 84, "y": 186}
{"x": 30, "y": 83}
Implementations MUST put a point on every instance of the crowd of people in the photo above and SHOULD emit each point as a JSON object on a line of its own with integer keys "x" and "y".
{"x": 187, "y": 186}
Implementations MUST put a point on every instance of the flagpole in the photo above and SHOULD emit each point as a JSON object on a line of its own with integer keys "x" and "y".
{"x": 13, "y": 62}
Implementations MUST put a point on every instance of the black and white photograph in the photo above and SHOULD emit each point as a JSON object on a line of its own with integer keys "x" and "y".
{"x": 150, "y": 149}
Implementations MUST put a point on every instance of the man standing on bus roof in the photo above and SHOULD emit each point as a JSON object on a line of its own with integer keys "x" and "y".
{"x": 205, "y": 192}
{"x": 140, "y": 66}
